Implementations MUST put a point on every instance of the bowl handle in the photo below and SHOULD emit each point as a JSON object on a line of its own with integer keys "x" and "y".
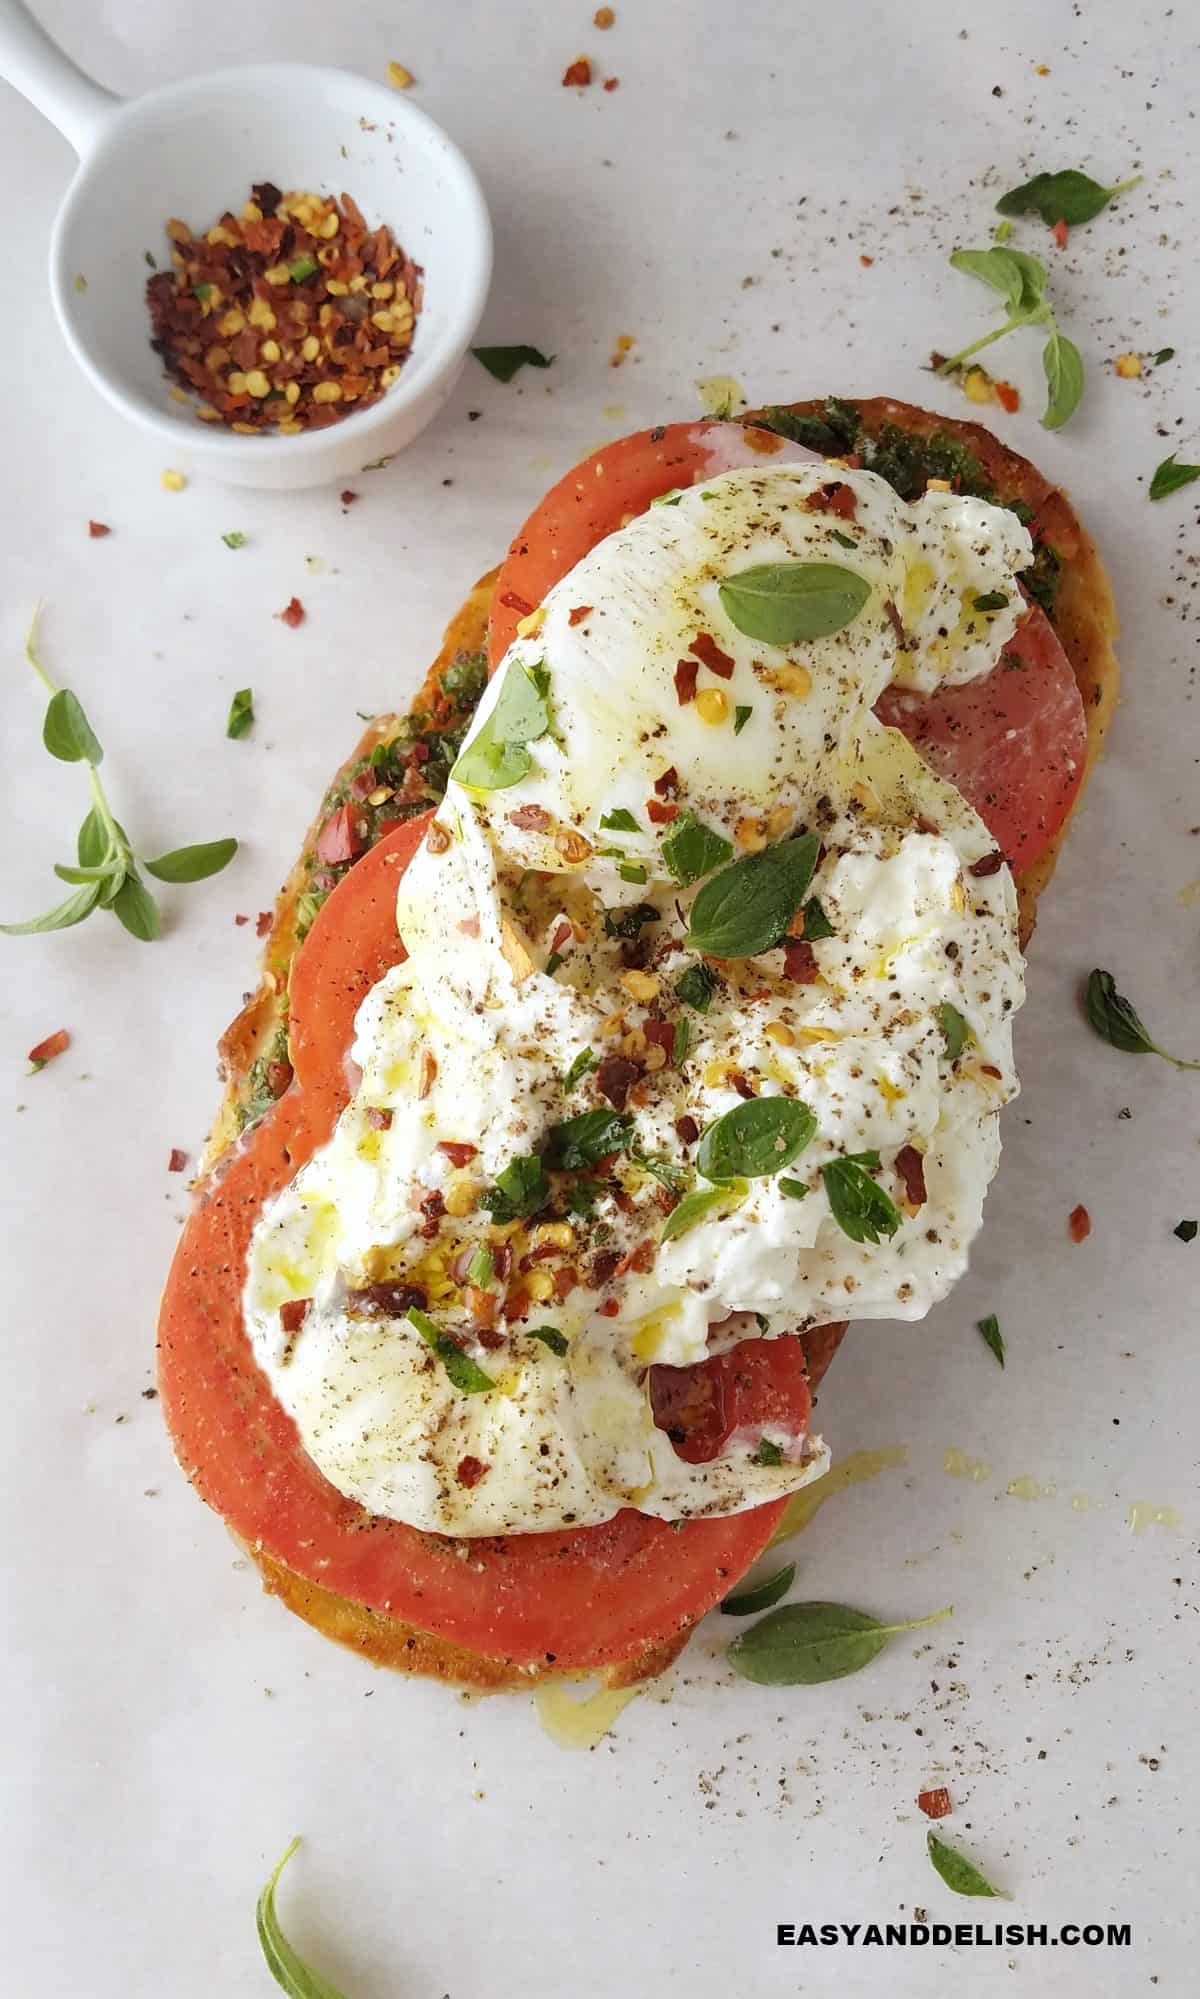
{"x": 37, "y": 67}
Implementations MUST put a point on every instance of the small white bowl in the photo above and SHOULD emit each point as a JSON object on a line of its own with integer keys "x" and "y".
{"x": 193, "y": 150}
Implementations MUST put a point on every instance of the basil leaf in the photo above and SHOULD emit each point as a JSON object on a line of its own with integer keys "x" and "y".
{"x": 460, "y": 1368}
{"x": 692, "y": 849}
{"x": 991, "y": 600}
{"x": 585, "y": 1060}
{"x": 804, "y": 1644}
{"x": 996, "y": 268}
{"x": 67, "y": 733}
{"x": 241, "y": 713}
{"x": 1063, "y": 364}
{"x": 694, "y": 1207}
{"x": 747, "y": 907}
{"x": 549, "y": 1337}
{"x": 586, "y": 1139}
{"x": 193, "y": 864}
{"x": 756, "y": 1139}
{"x": 67, "y": 913}
{"x": 137, "y": 909}
{"x": 954, "y": 1027}
{"x": 816, "y": 923}
{"x": 628, "y": 922}
{"x": 765, "y": 1452}
{"x": 794, "y": 1189}
{"x": 92, "y": 843}
{"x": 696, "y": 986}
{"x": 761, "y": 1596}
{"x": 1069, "y": 196}
{"x": 1111, "y": 1016}
{"x": 783, "y": 603}
{"x": 741, "y": 716}
{"x": 1163, "y": 354}
{"x": 860, "y": 1207}
{"x": 102, "y": 873}
{"x": 993, "y": 1338}
{"x": 520, "y": 1189}
{"x": 288, "y": 1970}
{"x": 497, "y": 757}
{"x": 504, "y": 362}
{"x": 234, "y": 539}
{"x": 619, "y": 821}
{"x": 959, "y": 1874}
{"x": 1170, "y": 476}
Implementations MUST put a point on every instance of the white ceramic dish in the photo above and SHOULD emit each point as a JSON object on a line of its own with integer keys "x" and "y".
{"x": 192, "y": 150}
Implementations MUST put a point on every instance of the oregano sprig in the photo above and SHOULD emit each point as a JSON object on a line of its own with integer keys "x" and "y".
{"x": 105, "y": 873}
{"x": 1021, "y": 282}
{"x": 285, "y": 1964}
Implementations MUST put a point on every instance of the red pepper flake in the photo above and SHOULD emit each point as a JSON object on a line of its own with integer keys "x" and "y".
{"x": 609, "y": 1309}
{"x": 488, "y": 1337}
{"x": 177, "y": 1160}
{"x": 54, "y": 1044}
{"x": 989, "y": 1069}
{"x": 565, "y": 1280}
{"x": 433, "y": 1207}
{"x": 293, "y": 613}
{"x": 659, "y": 813}
{"x": 612, "y": 83}
{"x": 338, "y": 839}
{"x": 800, "y": 963}
{"x": 602, "y": 1266}
{"x": 348, "y": 497}
{"x": 512, "y": 601}
{"x": 989, "y": 864}
{"x": 865, "y": 261}
{"x": 1080, "y": 1224}
{"x": 98, "y": 529}
{"x": 279, "y": 1077}
{"x": 686, "y": 671}
{"x": 896, "y": 622}
{"x": 662, "y": 1032}
{"x": 241, "y": 919}
{"x": 741, "y": 1084}
{"x": 709, "y": 653}
{"x": 615, "y": 1078}
{"x": 470, "y": 1471}
{"x": 379, "y": 1118}
{"x": 1008, "y": 398}
{"x": 910, "y": 1165}
{"x": 530, "y": 818}
{"x": 581, "y": 611}
{"x": 835, "y": 498}
{"x": 1059, "y": 233}
{"x": 687, "y": 1129}
{"x": 640, "y": 1258}
{"x": 262, "y": 927}
{"x": 459, "y": 1154}
{"x": 935, "y": 1804}
{"x": 293, "y": 1313}
{"x": 667, "y": 783}
{"x": 578, "y": 72}
{"x": 516, "y": 1303}
{"x": 562, "y": 935}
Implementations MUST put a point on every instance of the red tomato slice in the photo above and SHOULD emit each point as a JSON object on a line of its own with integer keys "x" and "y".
{"x": 586, "y": 1598}
{"x": 1014, "y": 743}
{"x": 756, "y": 1382}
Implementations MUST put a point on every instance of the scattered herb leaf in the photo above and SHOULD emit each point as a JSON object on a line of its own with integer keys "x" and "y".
{"x": 794, "y": 1189}
{"x": 860, "y": 1207}
{"x": 520, "y": 1188}
{"x": 695, "y": 1206}
{"x": 241, "y": 713}
{"x": 1163, "y": 354}
{"x": 680, "y": 1041}
{"x": 1070, "y": 196}
{"x": 586, "y": 1139}
{"x": 549, "y": 1337}
{"x": 692, "y": 850}
{"x": 583, "y": 1062}
{"x": 784, "y": 603}
{"x": 804, "y": 1644}
{"x": 193, "y": 864}
{"x": 756, "y": 1139}
{"x": 619, "y": 821}
{"x": 763, "y": 1595}
{"x": 766, "y": 1453}
{"x": 467, "y": 1377}
{"x": 748, "y": 906}
{"x": 504, "y": 362}
{"x": 816, "y": 923}
{"x": 741, "y": 715}
{"x": 993, "y": 1338}
{"x": 954, "y": 1027}
{"x": 498, "y": 755}
{"x": 234, "y": 539}
{"x": 288, "y": 1970}
{"x": 696, "y": 986}
{"x": 1170, "y": 476}
{"x": 1113, "y": 1018}
{"x": 1021, "y": 282}
{"x": 991, "y": 600}
{"x": 959, "y": 1874}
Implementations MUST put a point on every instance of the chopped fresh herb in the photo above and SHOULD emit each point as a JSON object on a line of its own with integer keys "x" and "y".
{"x": 741, "y": 715}
{"x": 583, "y": 1062}
{"x": 1002, "y": 232}
{"x": 466, "y": 1376}
{"x": 954, "y": 1027}
{"x": 520, "y": 1189}
{"x": 663, "y": 1170}
{"x": 1170, "y": 476}
{"x": 1186, "y": 1231}
{"x": 202, "y": 292}
{"x": 586, "y": 1139}
{"x": 628, "y": 922}
{"x": 816, "y": 923}
{"x": 1113, "y": 1018}
{"x": 671, "y": 499}
{"x": 959, "y": 1874}
{"x": 696, "y": 986}
{"x": 756, "y": 1139}
{"x": 761, "y": 1596}
{"x": 794, "y": 1189}
{"x": 843, "y": 540}
{"x": 549, "y": 1337}
{"x": 505, "y": 362}
{"x": 553, "y": 962}
{"x": 1163, "y": 354}
{"x": 694, "y": 1207}
{"x": 991, "y": 600}
{"x": 632, "y": 871}
{"x": 692, "y": 850}
{"x": 241, "y": 713}
{"x": 151, "y": 259}
{"x": 234, "y": 539}
{"x": 767, "y": 1453}
{"x": 834, "y": 432}
{"x": 304, "y": 267}
{"x": 498, "y": 755}
{"x": 285, "y": 1965}
{"x": 860, "y": 1207}
{"x": 1021, "y": 281}
{"x": 784, "y": 603}
{"x": 482, "y": 1267}
{"x": 680, "y": 1041}
{"x": 989, "y": 1331}
{"x": 619, "y": 821}
{"x": 581, "y": 1197}
{"x": 804, "y": 1644}
{"x": 748, "y": 906}
{"x": 1070, "y": 196}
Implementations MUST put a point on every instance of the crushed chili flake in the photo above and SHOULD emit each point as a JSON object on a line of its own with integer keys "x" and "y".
{"x": 458, "y": 1154}
{"x": 935, "y": 1804}
{"x": 800, "y": 962}
{"x": 471, "y": 1470}
{"x": 660, "y": 813}
{"x": 279, "y": 1077}
{"x": 686, "y": 671}
{"x": 293, "y": 613}
{"x": 611, "y": 83}
{"x": 1059, "y": 233}
{"x": 835, "y": 498}
{"x": 989, "y": 864}
{"x": 98, "y": 529}
{"x": 293, "y": 1313}
{"x": 741, "y": 1083}
{"x": 389, "y": 1300}
{"x": 578, "y": 72}
{"x": 265, "y": 919}
{"x": 1080, "y": 1224}
{"x": 1007, "y": 396}
{"x": 286, "y": 317}
{"x": 241, "y": 919}
{"x": 667, "y": 783}
{"x": 865, "y": 261}
{"x": 378, "y": 1117}
{"x": 615, "y": 1078}
{"x": 433, "y": 1207}
{"x": 709, "y": 653}
{"x": 602, "y": 1266}
{"x": 910, "y": 1165}
{"x": 348, "y": 497}
{"x": 687, "y": 1129}
{"x": 176, "y": 1161}
{"x": 339, "y": 839}
{"x": 513, "y": 601}
{"x": 609, "y": 1309}
{"x": 578, "y": 614}
{"x": 54, "y": 1044}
